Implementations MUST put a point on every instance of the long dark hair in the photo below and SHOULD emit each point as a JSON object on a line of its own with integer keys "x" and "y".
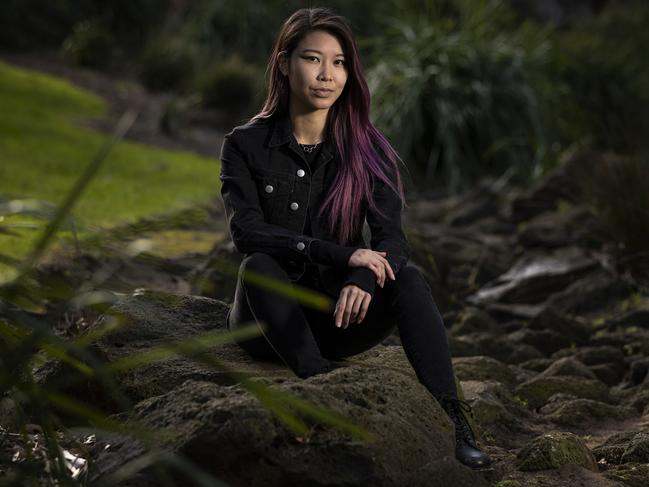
{"x": 357, "y": 140}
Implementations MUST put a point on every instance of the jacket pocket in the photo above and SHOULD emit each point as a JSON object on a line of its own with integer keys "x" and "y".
{"x": 274, "y": 194}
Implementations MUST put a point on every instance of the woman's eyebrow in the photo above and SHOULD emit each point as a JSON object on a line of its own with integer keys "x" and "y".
{"x": 315, "y": 50}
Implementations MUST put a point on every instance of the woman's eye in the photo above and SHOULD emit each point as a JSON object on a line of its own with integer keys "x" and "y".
{"x": 341, "y": 62}
{"x": 311, "y": 57}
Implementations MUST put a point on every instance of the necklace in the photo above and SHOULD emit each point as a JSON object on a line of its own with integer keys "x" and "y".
{"x": 309, "y": 147}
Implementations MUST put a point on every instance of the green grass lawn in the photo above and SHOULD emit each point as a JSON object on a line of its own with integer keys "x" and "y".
{"x": 43, "y": 151}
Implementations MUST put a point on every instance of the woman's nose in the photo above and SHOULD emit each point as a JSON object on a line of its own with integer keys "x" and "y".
{"x": 325, "y": 72}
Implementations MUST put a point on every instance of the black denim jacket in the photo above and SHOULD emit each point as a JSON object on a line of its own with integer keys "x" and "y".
{"x": 267, "y": 188}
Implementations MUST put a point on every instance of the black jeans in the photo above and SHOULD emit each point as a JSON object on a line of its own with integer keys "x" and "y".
{"x": 304, "y": 338}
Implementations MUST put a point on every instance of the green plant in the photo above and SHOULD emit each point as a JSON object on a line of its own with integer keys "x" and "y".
{"x": 231, "y": 85}
{"x": 453, "y": 87}
{"x": 603, "y": 84}
{"x": 90, "y": 44}
{"x": 617, "y": 188}
{"x": 168, "y": 62}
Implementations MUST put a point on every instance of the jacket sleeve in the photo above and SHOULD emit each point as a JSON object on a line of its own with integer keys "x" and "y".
{"x": 386, "y": 235}
{"x": 248, "y": 229}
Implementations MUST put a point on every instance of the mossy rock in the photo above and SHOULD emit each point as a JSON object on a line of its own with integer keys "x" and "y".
{"x": 630, "y": 474}
{"x": 553, "y": 450}
{"x": 483, "y": 368}
{"x": 583, "y": 412}
{"x": 569, "y": 366}
{"x": 472, "y": 320}
{"x": 499, "y": 416}
{"x": 537, "y": 364}
{"x": 538, "y": 390}
{"x": 625, "y": 447}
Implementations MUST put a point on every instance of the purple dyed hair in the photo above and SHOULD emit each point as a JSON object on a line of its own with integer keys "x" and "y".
{"x": 356, "y": 138}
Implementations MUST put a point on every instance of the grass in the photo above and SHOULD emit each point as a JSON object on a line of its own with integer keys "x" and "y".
{"x": 43, "y": 150}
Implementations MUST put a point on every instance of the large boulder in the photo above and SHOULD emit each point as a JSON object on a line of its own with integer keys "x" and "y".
{"x": 582, "y": 413}
{"x": 481, "y": 368}
{"x": 554, "y": 449}
{"x": 625, "y": 447}
{"x": 204, "y": 403}
{"x": 538, "y": 390}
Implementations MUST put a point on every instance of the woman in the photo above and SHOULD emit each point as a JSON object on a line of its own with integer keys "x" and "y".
{"x": 298, "y": 182}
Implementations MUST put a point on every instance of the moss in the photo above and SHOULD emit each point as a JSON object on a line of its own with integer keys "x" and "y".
{"x": 539, "y": 389}
{"x": 508, "y": 483}
{"x": 554, "y": 449}
{"x": 631, "y": 474}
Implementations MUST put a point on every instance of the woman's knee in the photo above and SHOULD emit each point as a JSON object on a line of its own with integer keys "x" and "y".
{"x": 260, "y": 262}
{"x": 411, "y": 276}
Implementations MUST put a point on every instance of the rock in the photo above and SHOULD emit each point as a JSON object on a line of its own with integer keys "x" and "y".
{"x": 629, "y": 475}
{"x": 498, "y": 347}
{"x": 498, "y": 415}
{"x": 594, "y": 355}
{"x": 471, "y": 210}
{"x": 554, "y": 449}
{"x": 457, "y": 258}
{"x": 472, "y": 320}
{"x": 545, "y": 341}
{"x": 576, "y": 225}
{"x": 639, "y": 371}
{"x": 538, "y": 390}
{"x": 140, "y": 321}
{"x": 580, "y": 413}
{"x": 606, "y": 362}
{"x": 551, "y": 319}
{"x": 625, "y": 447}
{"x": 636, "y": 397}
{"x": 230, "y": 434}
{"x": 537, "y": 364}
{"x": 610, "y": 374}
{"x": 480, "y": 368}
{"x": 534, "y": 277}
{"x": 223, "y": 429}
{"x": 598, "y": 290}
{"x": 507, "y": 311}
{"x": 635, "y": 317}
{"x": 569, "y": 366}
{"x": 564, "y": 183}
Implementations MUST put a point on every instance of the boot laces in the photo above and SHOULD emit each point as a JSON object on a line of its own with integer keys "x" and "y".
{"x": 455, "y": 408}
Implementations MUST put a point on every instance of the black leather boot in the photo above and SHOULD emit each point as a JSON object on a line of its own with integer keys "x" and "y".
{"x": 466, "y": 449}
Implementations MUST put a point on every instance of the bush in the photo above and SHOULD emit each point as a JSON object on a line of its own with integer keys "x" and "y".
{"x": 231, "y": 85}
{"x": 453, "y": 88}
{"x": 618, "y": 189}
{"x": 90, "y": 44}
{"x": 606, "y": 99}
{"x": 168, "y": 63}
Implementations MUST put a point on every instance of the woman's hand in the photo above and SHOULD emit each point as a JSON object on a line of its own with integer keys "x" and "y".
{"x": 351, "y": 306}
{"x": 374, "y": 260}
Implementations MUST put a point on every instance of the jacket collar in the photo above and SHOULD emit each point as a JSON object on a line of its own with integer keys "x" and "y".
{"x": 282, "y": 133}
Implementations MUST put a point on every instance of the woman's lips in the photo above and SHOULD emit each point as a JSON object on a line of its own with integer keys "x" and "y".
{"x": 323, "y": 92}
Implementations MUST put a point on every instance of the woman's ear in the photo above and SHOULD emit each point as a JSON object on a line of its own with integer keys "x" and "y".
{"x": 283, "y": 63}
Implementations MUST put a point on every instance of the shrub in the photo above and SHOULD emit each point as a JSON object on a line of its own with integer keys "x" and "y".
{"x": 90, "y": 44}
{"x": 167, "y": 63}
{"x": 231, "y": 85}
{"x": 617, "y": 188}
{"x": 605, "y": 100}
{"x": 453, "y": 87}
